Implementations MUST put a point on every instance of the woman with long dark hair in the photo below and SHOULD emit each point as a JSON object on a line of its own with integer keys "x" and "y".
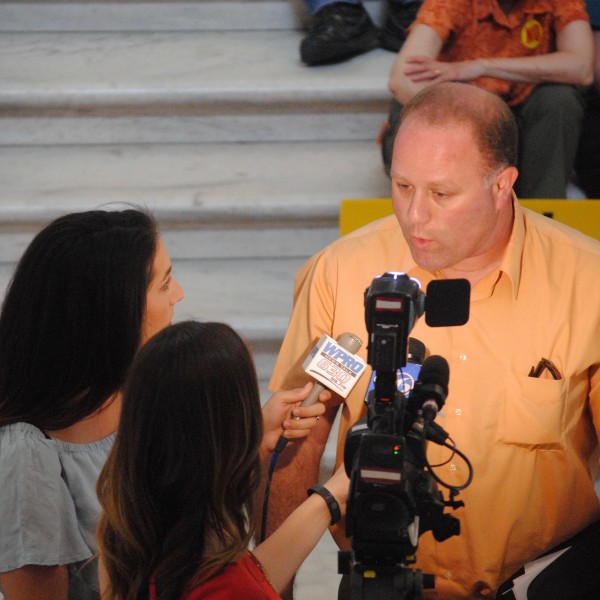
{"x": 177, "y": 490}
{"x": 88, "y": 291}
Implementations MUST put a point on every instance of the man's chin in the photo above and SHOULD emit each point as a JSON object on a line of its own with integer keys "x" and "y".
{"x": 427, "y": 261}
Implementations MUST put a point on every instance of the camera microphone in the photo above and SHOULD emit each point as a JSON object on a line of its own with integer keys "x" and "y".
{"x": 431, "y": 389}
{"x": 416, "y": 351}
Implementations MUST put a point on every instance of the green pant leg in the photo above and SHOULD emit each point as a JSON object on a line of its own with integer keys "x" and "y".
{"x": 549, "y": 127}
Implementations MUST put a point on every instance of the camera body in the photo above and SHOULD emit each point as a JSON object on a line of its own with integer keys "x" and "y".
{"x": 392, "y": 500}
{"x": 393, "y": 497}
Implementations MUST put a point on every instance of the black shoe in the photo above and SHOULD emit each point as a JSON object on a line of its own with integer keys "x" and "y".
{"x": 397, "y": 22}
{"x": 338, "y": 31}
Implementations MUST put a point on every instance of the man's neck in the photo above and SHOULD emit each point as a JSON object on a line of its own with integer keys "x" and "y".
{"x": 479, "y": 267}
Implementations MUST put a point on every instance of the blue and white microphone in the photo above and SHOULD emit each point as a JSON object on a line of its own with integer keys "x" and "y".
{"x": 334, "y": 365}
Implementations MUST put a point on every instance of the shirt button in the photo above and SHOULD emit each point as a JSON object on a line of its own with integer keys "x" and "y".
{"x": 448, "y": 574}
{"x": 458, "y": 412}
{"x": 462, "y": 356}
{"x": 452, "y": 467}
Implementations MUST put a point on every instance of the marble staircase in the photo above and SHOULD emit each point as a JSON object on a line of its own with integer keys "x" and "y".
{"x": 203, "y": 112}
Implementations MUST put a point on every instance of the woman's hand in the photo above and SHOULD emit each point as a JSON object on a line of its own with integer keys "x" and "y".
{"x": 283, "y": 415}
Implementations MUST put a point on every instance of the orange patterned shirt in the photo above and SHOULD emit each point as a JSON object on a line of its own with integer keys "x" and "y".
{"x": 471, "y": 29}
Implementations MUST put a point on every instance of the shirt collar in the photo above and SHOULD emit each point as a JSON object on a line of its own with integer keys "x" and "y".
{"x": 511, "y": 260}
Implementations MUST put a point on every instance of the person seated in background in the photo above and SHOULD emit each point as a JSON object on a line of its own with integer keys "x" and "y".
{"x": 534, "y": 54}
{"x": 342, "y": 29}
{"x": 587, "y": 163}
{"x": 178, "y": 488}
{"x": 593, "y": 9}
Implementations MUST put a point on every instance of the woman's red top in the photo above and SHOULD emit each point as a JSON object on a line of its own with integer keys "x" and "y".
{"x": 244, "y": 578}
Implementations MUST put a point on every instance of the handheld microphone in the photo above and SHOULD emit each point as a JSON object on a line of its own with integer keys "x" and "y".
{"x": 334, "y": 365}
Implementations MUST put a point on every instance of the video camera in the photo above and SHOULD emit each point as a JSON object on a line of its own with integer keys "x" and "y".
{"x": 393, "y": 495}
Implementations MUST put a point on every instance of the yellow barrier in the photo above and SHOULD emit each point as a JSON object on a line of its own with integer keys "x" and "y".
{"x": 580, "y": 214}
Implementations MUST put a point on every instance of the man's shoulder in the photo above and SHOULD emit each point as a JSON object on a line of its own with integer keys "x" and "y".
{"x": 558, "y": 238}
{"x": 380, "y": 233}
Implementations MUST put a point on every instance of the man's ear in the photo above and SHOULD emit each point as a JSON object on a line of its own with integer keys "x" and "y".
{"x": 503, "y": 185}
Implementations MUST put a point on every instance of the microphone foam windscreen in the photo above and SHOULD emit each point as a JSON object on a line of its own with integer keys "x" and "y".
{"x": 416, "y": 351}
{"x": 435, "y": 370}
{"x": 447, "y": 302}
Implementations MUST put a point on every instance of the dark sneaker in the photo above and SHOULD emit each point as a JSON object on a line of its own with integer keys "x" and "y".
{"x": 395, "y": 27}
{"x": 338, "y": 31}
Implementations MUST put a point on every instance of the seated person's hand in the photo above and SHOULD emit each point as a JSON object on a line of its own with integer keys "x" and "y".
{"x": 428, "y": 70}
{"x": 283, "y": 415}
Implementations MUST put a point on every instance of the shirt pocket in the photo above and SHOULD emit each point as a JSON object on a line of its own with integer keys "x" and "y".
{"x": 532, "y": 414}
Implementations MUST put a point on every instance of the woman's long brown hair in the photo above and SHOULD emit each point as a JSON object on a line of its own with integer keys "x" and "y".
{"x": 185, "y": 464}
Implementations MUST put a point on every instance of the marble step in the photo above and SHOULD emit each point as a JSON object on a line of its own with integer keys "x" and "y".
{"x": 86, "y": 129}
{"x": 89, "y": 118}
{"x": 242, "y": 185}
{"x": 182, "y": 73}
{"x": 199, "y": 15}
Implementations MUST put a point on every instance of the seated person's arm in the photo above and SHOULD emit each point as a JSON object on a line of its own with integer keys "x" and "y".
{"x": 424, "y": 42}
{"x": 571, "y": 63}
{"x": 35, "y": 582}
